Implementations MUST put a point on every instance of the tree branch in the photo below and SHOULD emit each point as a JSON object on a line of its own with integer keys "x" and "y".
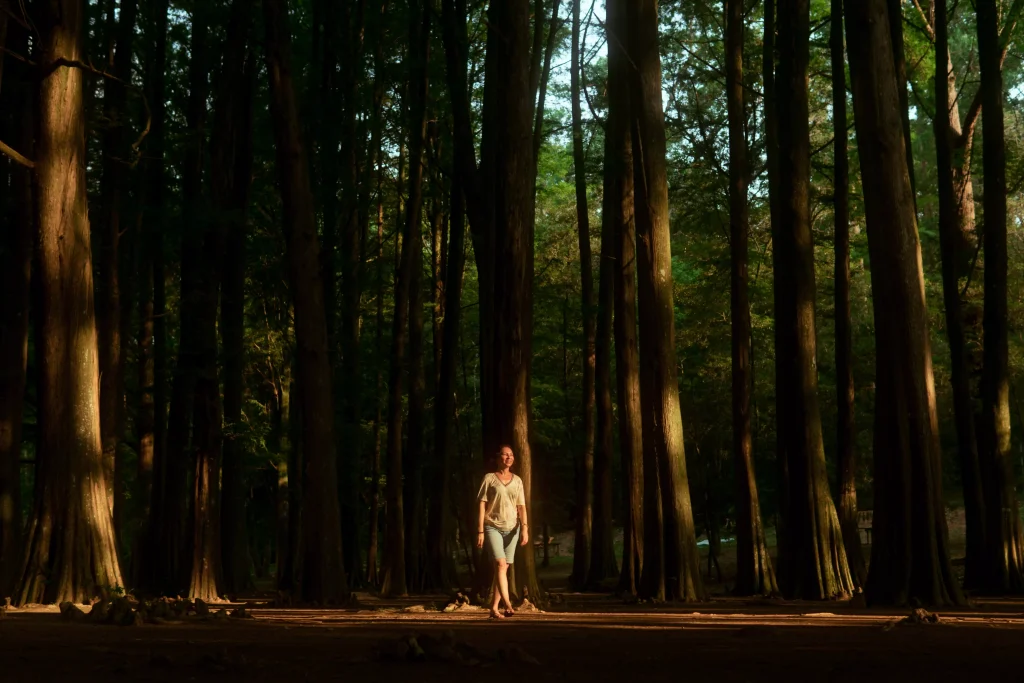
{"x": 17, "y": 156}
{"x": 1012, "y": 17}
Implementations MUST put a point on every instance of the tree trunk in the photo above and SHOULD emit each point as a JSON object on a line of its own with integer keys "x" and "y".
{"x": 815, "y": 564}
{"x": 663, "y": 428}
{"x": 511, "y": 126}
{"x": 109, "y": 229}
{"x": 909, "y": 555}
{"x": 15, "y": 275}
{"x": 153, "y": 414}
{"x": 618, "y": 215}
{"x": 71, "y": 552}
{"x": 554, "y": 26}
{"x": 899, "y": 60}
{"x": 395, "y": 571}
{"x": 783, "y": 370}
{"x": 754, "y": 566}
{"x": 353, "y": 239}
{"x": 1004, "y": 536}
{"x": 323, "y": 576}
{"x": 846, "y": 427}
{"x": 585, "y": 460}
{"x": 232, "y": 170}
{"x": 951, "y": 232}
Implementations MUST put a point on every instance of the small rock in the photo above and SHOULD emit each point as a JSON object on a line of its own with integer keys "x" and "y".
{"x": 69, "y": 611}
{"x": 527, "y": 606}
{"x": 919, "y": 615}
{"x": 241, "y": 613}
{"x": 415, "y": 609}
{"x": 222, "y": 613}
{"x": 100, "y": 611}
{"x": 202, "y": 608}
{"x": 416, "y": 652}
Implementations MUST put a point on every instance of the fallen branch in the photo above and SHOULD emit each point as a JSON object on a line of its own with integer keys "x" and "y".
{"x": 16, "y": 155}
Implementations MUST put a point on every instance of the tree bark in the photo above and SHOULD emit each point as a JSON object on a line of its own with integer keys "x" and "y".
{"x": 899, "y": 60}
{"x": 1004, "y": 536}
{"x": 109, "y": 229}
{"x": 554, "y": 26}
{"x": 585, "y": 460}
{"x": 617, "y": 214}
{"x": 951, "y": 231}
{"x": 846, "y": 433}
{"x": 909, "y": 555}
{"x": 71, "y": 552}
{"x": 232, "y": 171}
{"x": 663, "y": 429}
{"x": 323, "y": 576}
{"x": 815, "y": 563}
{"x": 754, "y": 574}
{"x": 15, "y": 274}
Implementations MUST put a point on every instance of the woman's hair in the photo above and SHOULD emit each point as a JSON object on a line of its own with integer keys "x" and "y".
{"x": 502, "y": 447}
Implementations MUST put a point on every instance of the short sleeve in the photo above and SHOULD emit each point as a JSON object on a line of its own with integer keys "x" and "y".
{"x": 482, "y": 493}
{"x": 520, "y": 494}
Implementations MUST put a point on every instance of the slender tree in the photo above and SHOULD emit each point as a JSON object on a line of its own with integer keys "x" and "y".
{"x": 16, "y": 103}
{"x": 1004, "y": 536}
{"x": 755, "y": 575}
{"x": 70, "y": 550}
{"x": 910, "y": 554}
{"x": 845, "y": 424}
{"x": 323, "y": 576}
{"x": 585, "y": 461}
{"x": 617, "y": 215}
{"x": 663, "y": 427}
{"x": 951, "y": 231}
{"x": 815, "y": 558}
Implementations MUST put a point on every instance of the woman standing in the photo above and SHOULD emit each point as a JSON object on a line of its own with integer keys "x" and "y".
{"x": 502, "y": 522}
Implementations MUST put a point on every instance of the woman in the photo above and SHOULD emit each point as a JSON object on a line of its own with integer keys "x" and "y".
{"x": 502, "y": 522}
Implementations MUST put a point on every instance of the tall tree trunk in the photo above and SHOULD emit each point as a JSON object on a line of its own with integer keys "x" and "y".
{"x": 511, "y": 126}
{"x": 951, "y": 232}
{"x": 395, "y": 572}
{"x": 288, "y": 576}
{"x": 232, "y": 171}
{"x": 585, "y": 460}
{"x": 15, "y": 274}
{"x": 618, "y": 215}
{"x": 779, "y": 294}
{"x": 663, "y": 428}
{"x": 846, "y": 427}
{"x": 909, "y": 555}
{"x": 754, "y": 574}
{"x": 815, "y": 563}
{"x": 554, "y": 26}
{"x": 323, "y": 575}
{"x": 152, "y": 570}
{"x": 1004, "y": 536}
{"x": 353, "y": 239}
{"x": 71, "y": 552}
{"x": 109, "y": 229}
{"x": 440, "y": 567}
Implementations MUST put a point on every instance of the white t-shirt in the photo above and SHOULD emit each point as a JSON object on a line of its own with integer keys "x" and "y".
{"x": 501, "y": 499}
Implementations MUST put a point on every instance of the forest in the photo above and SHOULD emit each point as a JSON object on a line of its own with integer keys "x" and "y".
{"x": 739, "y": 282}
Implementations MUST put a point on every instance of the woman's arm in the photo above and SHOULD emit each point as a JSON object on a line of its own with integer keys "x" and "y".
{"x": 524, "y": 533}
{"x": 480, "y": 524}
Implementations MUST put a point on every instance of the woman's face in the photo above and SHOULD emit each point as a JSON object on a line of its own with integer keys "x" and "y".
{"x": 505, "y": 457}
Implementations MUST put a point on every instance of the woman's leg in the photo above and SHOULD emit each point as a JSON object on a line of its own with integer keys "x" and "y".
{"x": 501, "y": 573}
{"x": 496, "y": 592}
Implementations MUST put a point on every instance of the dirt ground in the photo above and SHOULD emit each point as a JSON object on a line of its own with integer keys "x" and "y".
{"x": 585, "y": 638}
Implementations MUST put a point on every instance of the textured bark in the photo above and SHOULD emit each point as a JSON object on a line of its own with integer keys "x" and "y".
{"x": 152, "y": 414}
{"x": 899, "y": 60}
{"x": 754, "y": 574}
{"x": 952, "y": 228}
{"x": 585, "y": 459}
{"x": 232, "y": 174}
{"x": 108, "y": 234}
{"x": 511, "y": 127}
{"x": 663, "y": 427}
{"x": 909, "y": 553}
{"x": 323, "y": 575}
{"x": 71, "y": 552}
{"x": 394, "y": 581}
{"x": 846, "y": 434}
{"x": 815, "y": 558}
{"x": 554, "y": 26}
{"x": 1004, "y": 536}
{"x": 15, "y": 272}
{"x": 618, "y": 214}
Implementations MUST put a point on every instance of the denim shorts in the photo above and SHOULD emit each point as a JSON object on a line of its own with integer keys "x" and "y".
{"x": 501, "y": 544}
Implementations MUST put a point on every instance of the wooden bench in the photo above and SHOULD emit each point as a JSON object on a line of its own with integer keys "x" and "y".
{"x": 538, "y": 545}
{"x": 864, "y": 524}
